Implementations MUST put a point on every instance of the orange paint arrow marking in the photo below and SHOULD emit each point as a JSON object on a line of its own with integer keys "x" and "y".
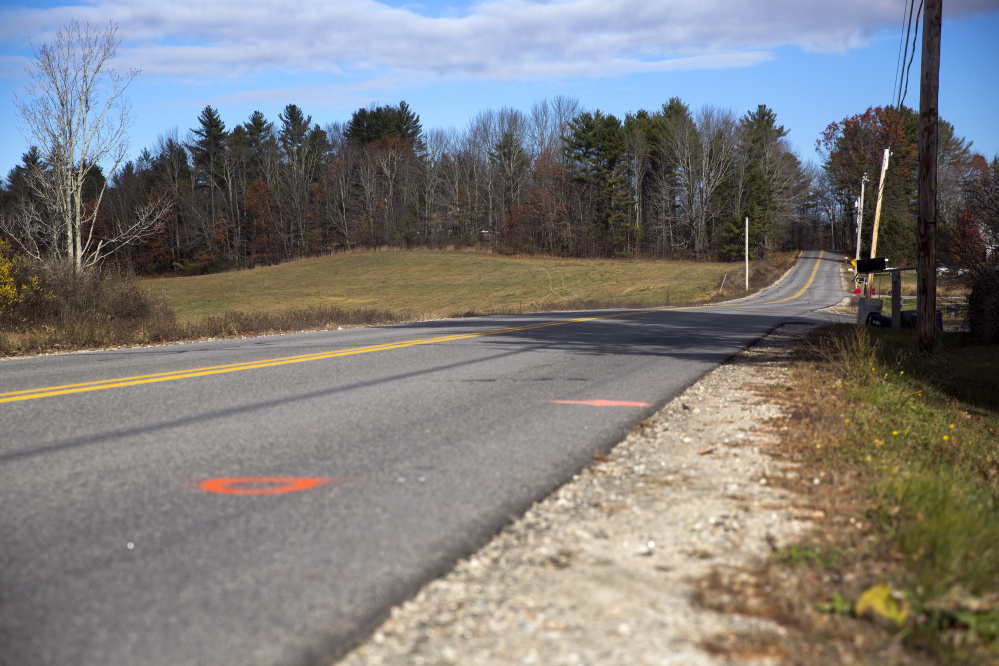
{"x": 601, "y": 403}
{"x": 264, "y": 485}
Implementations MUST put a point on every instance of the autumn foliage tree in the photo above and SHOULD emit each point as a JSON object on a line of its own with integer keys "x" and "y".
{"x": 854, "y": 147}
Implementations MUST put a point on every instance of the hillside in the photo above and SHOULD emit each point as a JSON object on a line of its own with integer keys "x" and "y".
{"x": 430, "y": 284}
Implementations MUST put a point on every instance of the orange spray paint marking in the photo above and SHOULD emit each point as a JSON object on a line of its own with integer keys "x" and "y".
{"x": 601, "y": 403}
{"x": 264, "y": 485}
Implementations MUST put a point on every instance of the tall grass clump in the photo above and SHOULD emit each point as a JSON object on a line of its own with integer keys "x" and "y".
{"x": 851, "y": 353}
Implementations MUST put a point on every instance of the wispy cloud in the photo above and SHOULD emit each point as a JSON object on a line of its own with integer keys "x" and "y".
{"x": 494, "y": 40}
{"x": 349, "y": 96}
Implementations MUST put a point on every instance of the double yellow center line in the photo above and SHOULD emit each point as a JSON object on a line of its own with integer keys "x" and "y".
{"x": 139, "y": 380}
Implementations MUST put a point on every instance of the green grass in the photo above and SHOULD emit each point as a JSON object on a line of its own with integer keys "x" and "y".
{"x": 812, "y": 556}
{"x": 926, "y": 430}
{"x": 433, "y": 284}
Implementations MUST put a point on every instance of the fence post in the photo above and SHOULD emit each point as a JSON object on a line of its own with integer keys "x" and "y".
{"x": 896, "y": 299}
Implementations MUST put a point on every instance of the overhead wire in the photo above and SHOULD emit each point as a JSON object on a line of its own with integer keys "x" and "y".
{"x": 906, "y": 9}
{"x": 919, "y": 12}
{"x": 906, "y": 68}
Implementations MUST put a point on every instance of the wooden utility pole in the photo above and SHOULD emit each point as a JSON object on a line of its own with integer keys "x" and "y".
{"x": 832, "y": 227}
{"x": 926, "y": 283}
{"x": 877, "y": 218}
{"x": 877, "y": 208}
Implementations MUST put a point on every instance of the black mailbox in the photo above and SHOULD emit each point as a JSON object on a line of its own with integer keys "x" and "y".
{"x": 875, "y": 265}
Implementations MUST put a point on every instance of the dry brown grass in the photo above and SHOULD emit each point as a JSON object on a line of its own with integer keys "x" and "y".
{"x": 426, "y": 284}
{"x": 355, "y": 289}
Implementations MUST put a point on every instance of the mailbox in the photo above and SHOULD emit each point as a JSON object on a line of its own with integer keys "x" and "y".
{"x": 875, "y": 265}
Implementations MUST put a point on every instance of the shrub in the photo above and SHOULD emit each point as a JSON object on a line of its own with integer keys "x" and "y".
{"x": 99, "y": 296}
{"x": 983, "y": 303}
{"x": 22, "y": 291}
{"x": 51, "y": 305}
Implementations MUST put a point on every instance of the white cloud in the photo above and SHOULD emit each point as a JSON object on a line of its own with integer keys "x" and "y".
{"x": 335, "y": 96}
{"x": 492, "y": 40}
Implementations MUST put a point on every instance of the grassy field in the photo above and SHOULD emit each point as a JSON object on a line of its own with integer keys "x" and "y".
{"x": 360, "y": 289}
{"x": 437, "y": 284}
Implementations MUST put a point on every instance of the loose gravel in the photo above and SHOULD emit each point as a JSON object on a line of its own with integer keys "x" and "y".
{"x": 604, "y": 570}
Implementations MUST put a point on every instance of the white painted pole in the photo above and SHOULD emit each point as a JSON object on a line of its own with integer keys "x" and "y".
{"x": 860, "y": 217}
{"x": 747, "y": 254}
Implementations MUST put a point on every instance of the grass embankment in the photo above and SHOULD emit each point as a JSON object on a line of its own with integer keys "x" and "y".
{"x": 378, "y": 287}
{"x": 898, "y": 462}
{"x": 435, "y": 284}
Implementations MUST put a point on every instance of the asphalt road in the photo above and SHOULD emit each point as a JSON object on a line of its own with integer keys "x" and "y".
{"x": 267, "y": 500}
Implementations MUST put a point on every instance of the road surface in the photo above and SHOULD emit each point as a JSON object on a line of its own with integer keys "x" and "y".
{"x": 267, "y": 500}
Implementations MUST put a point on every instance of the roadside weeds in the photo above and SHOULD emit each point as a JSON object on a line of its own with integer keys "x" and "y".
{"x": 897, "y": 457}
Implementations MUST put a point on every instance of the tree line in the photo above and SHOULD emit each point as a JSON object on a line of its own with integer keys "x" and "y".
{"x": 559, "y": 180}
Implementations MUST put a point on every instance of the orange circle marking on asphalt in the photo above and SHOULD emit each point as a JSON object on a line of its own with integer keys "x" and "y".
{"x": 601, "y": 403}
{"x": 259, "y": 485}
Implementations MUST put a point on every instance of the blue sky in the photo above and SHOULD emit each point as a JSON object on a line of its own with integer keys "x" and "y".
{"x": 812, "y": 62}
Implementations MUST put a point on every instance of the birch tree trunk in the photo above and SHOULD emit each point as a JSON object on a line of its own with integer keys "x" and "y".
{"x": 76, "y": 112}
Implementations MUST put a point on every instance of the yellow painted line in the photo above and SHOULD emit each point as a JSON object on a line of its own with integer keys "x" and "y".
{"x": 139, "y": 380}
{"x": 807, "y": 284}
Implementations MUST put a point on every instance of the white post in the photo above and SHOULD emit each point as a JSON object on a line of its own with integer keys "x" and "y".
{"x": 860, "y": 216}
{"x": 747, "y": 254}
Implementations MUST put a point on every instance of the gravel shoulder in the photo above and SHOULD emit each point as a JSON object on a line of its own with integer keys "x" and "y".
{"x": 606, "y": 570}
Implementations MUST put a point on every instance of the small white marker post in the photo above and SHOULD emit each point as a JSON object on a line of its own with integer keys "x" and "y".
{"x": 747, "y": 254}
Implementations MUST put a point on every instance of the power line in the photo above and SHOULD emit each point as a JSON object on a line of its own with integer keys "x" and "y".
{"x": 902, "y": 41}
{"x": 902, "y": 69}
{"x": 919, "y": 12}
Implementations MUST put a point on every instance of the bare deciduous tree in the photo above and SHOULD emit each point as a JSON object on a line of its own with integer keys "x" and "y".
{"x": 76, "y": 113}
{"x": 717, "y": 156}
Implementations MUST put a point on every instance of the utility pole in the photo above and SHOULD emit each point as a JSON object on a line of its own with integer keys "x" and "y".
{"x": 832, "y": 227}
{"x": 860, "y": 216}
{"x": 877, "y": 208}
{"x": 926, "y": 281}
{"x": 877, "y": 215}
{"x": 747, "y": 254}
{"x": 860, "y": 224}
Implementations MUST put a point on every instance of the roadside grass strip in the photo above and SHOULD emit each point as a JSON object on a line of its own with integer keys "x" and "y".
{"x": 923, "y": 431}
